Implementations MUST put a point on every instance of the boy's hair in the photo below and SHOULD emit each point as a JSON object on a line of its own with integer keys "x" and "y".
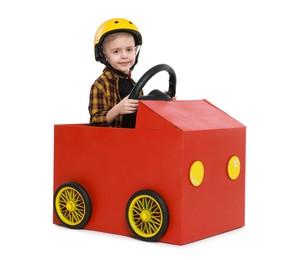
{"x": 114, "y": 36}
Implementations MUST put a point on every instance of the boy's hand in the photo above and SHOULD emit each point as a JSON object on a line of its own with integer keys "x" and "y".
{"x": 127, "y": 106}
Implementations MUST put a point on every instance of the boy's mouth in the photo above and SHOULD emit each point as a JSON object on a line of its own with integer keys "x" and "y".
{"x": 124, "y": 64}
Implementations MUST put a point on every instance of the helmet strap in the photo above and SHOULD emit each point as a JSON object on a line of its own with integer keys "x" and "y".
{"x": 136, "y": 59}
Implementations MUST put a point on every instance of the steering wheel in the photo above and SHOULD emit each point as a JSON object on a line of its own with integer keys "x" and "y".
{"x": 130, "y": 119}
{"x": 155, "y": 94}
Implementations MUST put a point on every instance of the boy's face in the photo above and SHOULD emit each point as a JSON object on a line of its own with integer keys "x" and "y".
{"x": 120, "y": 51}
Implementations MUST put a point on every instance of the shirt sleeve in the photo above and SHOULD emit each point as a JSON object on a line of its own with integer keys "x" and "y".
{"x": 98, "y": 106}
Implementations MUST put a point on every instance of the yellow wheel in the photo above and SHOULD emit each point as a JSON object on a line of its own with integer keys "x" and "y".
{"x": 147, "y": 215}
{"x": 72, "y": 205}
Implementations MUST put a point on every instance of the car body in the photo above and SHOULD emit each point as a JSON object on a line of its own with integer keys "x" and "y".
{"x": 186, "y": 157}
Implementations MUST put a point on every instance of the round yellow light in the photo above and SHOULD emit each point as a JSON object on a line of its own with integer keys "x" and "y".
{"x": 197, "y": 173}
{"x": 234, "y": 167}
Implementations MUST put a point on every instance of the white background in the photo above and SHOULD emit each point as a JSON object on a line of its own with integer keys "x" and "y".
{"x": 232, "y": 53}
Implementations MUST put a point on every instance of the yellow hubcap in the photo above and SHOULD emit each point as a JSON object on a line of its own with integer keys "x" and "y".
{"x": 70, "y": 206}
{"x": 145, "y": 216}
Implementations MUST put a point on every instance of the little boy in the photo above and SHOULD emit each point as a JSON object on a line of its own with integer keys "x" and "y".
{"x": 116, "y": 45}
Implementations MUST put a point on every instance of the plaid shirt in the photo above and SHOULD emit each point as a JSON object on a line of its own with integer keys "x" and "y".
{"x": 104, "y": 94}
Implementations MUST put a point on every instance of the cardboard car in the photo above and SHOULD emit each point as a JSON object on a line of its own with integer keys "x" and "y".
{"x": 177, "y": 176}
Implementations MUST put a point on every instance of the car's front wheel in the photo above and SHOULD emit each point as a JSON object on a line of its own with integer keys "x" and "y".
{"x": 147, "y": 215}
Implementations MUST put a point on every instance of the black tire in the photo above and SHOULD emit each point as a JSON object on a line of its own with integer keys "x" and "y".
{"x": 72, "y": 205}
{"x": 147, "y": 215}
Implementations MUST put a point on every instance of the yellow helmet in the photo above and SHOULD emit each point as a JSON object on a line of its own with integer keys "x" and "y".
{"x": 112, "y": 26}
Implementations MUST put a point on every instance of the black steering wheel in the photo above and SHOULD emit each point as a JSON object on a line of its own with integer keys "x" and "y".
{"x": 130, "y": 119}
{"x": 155, "y": 94}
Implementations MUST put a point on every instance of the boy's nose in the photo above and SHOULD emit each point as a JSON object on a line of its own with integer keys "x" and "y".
{"x": 123, "y": 54}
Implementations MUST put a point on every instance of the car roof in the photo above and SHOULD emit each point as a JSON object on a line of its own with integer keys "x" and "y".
{"x": 185, "y": 115}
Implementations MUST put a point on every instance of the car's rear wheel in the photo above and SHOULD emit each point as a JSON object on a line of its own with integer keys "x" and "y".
{"x": 72, "y": 205}
{"x": 147, "y": 215}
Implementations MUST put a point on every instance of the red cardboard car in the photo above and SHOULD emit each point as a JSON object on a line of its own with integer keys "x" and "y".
{"x": 177, "y": 177}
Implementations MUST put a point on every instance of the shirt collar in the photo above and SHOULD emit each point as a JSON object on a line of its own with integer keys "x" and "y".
{"x": 110, "y": 74}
